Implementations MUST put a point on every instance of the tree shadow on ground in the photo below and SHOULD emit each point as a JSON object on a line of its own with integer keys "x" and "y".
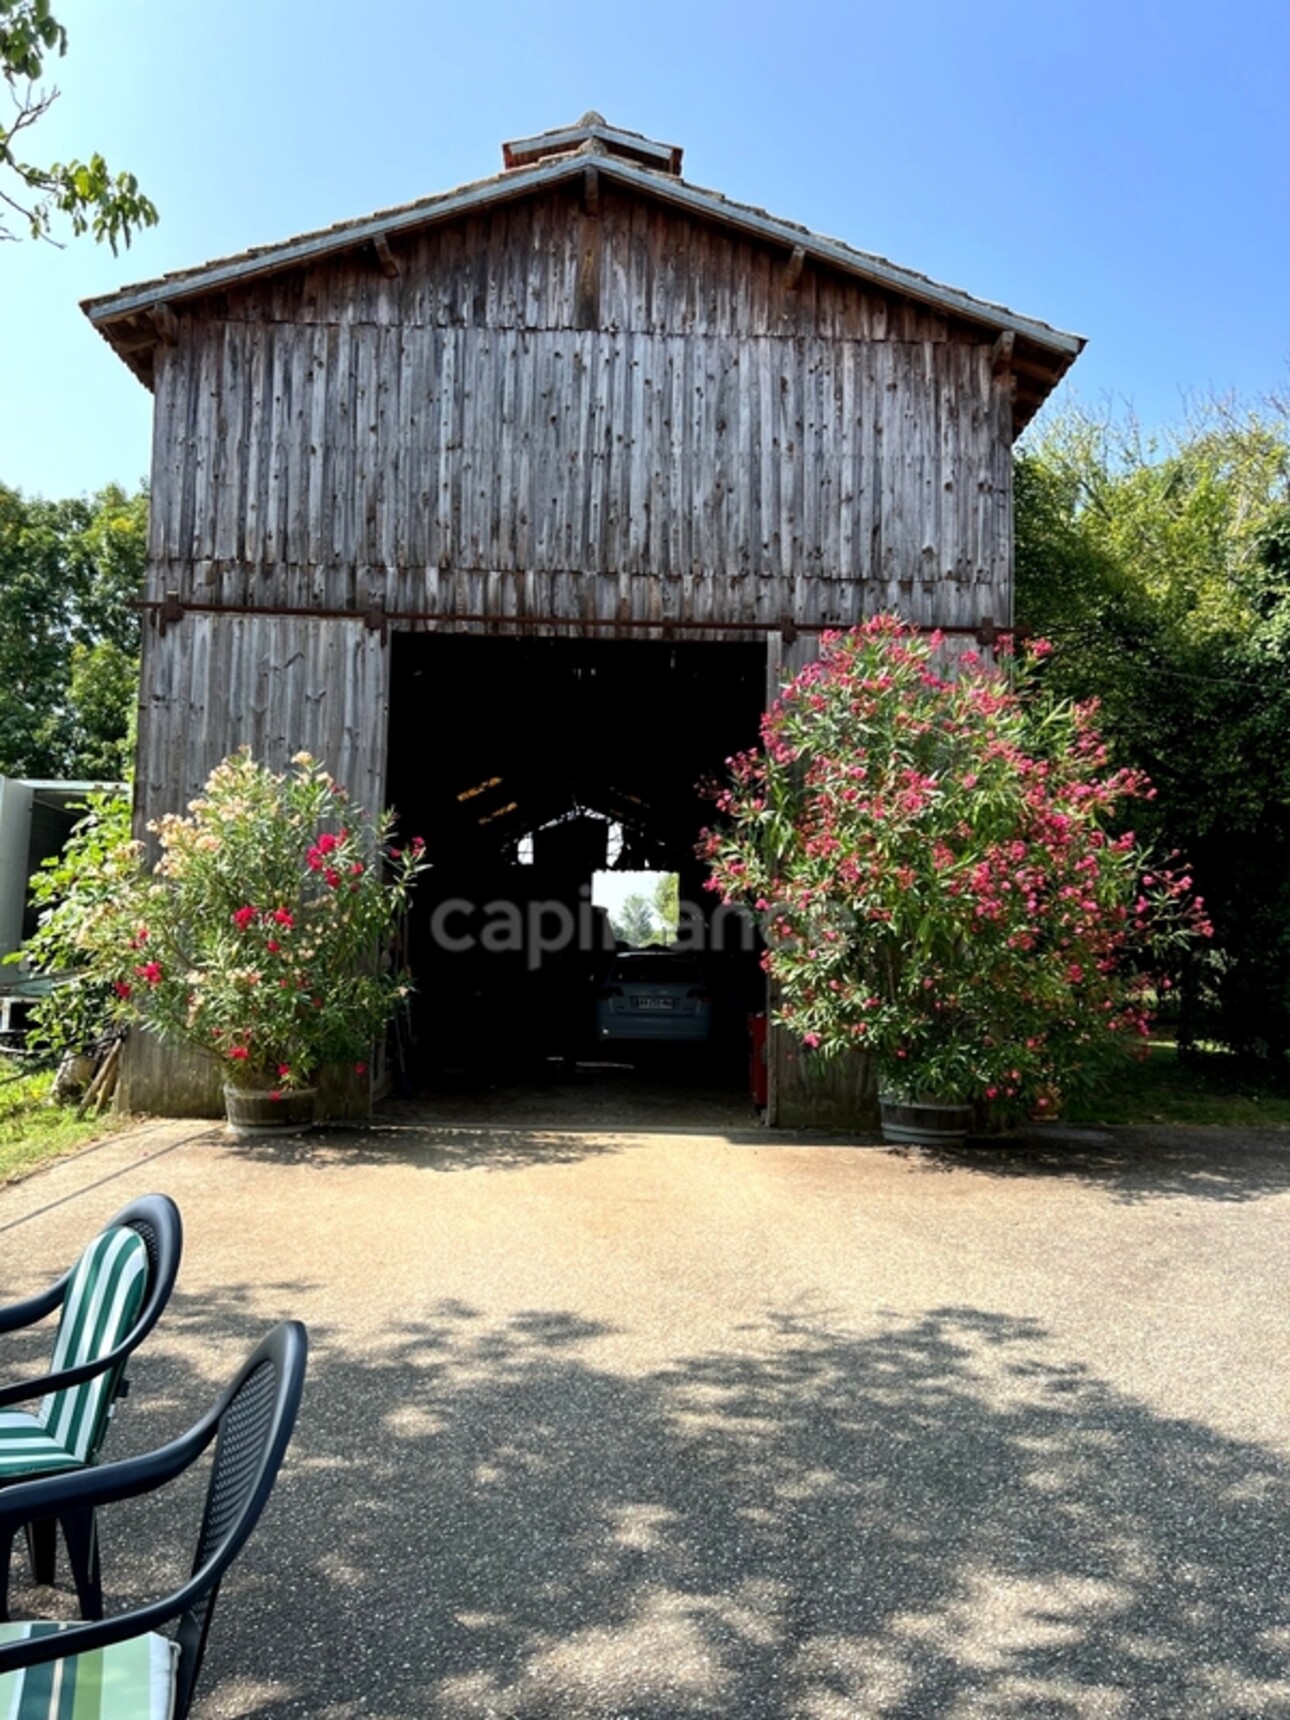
{"x": 441, "y": 1148}
{"x": 1131, "y": 1164}
{"x": 936, "y": 1517}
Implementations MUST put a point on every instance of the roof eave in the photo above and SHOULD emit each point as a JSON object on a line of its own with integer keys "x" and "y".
{"x": 152, "y": 296}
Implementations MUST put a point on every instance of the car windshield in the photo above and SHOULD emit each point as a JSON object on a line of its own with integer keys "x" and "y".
{"x": 656, "y": 970}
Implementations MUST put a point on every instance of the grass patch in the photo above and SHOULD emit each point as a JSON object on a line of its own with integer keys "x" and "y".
{"x": 32, "y": 1128}
{"x": 1209, "y": 1088}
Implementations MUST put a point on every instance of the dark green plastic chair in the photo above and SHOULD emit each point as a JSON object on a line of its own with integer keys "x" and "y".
{"x": 107, "y": 1304}
{"x": 126, "y": 1665}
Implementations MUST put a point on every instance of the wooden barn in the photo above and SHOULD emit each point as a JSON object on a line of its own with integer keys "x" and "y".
{"x": 514, "y": 504}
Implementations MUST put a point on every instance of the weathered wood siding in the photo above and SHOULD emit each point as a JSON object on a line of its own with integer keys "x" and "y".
{"x": 626, "y": 415}
{"x": 278, "y": 684}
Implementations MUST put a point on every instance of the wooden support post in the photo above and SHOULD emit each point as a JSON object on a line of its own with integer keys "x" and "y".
{"x": 165, "y": 324}
{"x": 591, "y": 190}
{"x": 1001, "y": 358}
{"x": 793, "y": 270}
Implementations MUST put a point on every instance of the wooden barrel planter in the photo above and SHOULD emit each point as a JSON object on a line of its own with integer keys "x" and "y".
{"x": 924, "y": 1122}
{"x": 252, "y": 1112}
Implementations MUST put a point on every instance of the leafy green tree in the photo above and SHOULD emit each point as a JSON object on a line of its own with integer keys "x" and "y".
{"x": 87, "y": 194}
{"x": 1162, "y": 575}
{"x": 69, "y": 636}
{"x": 634, "y": 922}
{"x": 74, "y": 890}
{"x": 666, "y": 904}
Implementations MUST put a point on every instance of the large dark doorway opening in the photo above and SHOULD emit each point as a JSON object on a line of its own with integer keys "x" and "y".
{"x": 528, "y": 766}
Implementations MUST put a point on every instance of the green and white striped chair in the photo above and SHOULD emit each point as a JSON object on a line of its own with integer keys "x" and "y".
{"x": 108, "y": 1303}
{"x": 124, "y": 1667}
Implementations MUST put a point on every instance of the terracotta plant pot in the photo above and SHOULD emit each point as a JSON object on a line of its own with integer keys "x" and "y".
{"x": 251, "y": 1111}
{"x": 924, "y": 1122}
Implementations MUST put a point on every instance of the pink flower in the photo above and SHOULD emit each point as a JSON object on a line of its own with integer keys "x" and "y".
{"x": 273, "y": 946}
{"x": 333, "y": 878}
{"x": 360, "y": 1069}
{"x": 326, "y": 843}
{"x": 284, "y": 1069}
{"x": 811, "y": 1039}
{"x": 150, "y": 971}
{"x": 121, "y": 988}
{"x": 243, "y": 917}
{"x": 283, "y": 918}
{"x": 356, "y": 870}
{"x": 238, "y": 1053}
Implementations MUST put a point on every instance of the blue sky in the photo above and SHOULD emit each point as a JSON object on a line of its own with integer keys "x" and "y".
{"x": 1122, "y": 170}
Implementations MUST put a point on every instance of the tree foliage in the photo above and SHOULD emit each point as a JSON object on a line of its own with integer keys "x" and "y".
{"x": 73, "y": 888}
{"x": 69, "y": 637}
{"x": 1162, "y": 575}
{"x": 634, "y": 923}
{"x": 667, "y": 906}
{"x": 34, "y": 197}
{"x": 644, "y": 920}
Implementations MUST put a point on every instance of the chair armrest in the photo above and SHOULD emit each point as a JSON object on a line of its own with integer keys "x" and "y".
{"x": 84, "y": 1635}
{"x": 17, "y": 1315}
{"x": 102, "y": 1484}
{"x": 84, "y": 1489}
{"x": 68, "y": 1377}
{"x": 64, "y": 1379}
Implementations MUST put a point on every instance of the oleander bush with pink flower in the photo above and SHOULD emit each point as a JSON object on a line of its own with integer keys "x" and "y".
{"x": 937, "y": 860}
{"x": 262, "y": 935}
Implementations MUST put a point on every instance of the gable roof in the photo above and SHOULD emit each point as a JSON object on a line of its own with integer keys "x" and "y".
{"x": 134, "y": 318}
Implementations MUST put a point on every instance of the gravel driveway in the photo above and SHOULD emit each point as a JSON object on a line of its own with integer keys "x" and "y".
{"x": 671, "y": 1425}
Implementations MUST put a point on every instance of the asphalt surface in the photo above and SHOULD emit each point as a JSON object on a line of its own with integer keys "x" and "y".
{"x": 670, "y": 1424}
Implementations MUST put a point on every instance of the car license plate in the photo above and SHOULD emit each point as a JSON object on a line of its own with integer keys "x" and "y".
{"x": 654, "y": 1002}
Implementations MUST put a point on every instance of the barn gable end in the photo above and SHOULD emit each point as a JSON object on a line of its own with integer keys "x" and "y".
{"x": 546, "y": 412}
{"x": 583, "y": 398}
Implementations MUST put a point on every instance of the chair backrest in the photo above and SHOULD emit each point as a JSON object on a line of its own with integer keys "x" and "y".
{"x": 114, "y": 1297}
{"x": 255, "y": 1418}
{"x": 101, "y": 1305}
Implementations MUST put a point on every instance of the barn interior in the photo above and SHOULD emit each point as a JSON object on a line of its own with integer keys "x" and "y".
{"x": 527, "y": 765}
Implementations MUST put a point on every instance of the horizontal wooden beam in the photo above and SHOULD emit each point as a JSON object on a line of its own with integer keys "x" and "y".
{"x": 138, "y": 340}
{"x": 376, "y": 618}
{"x": 1032, "y": 367}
